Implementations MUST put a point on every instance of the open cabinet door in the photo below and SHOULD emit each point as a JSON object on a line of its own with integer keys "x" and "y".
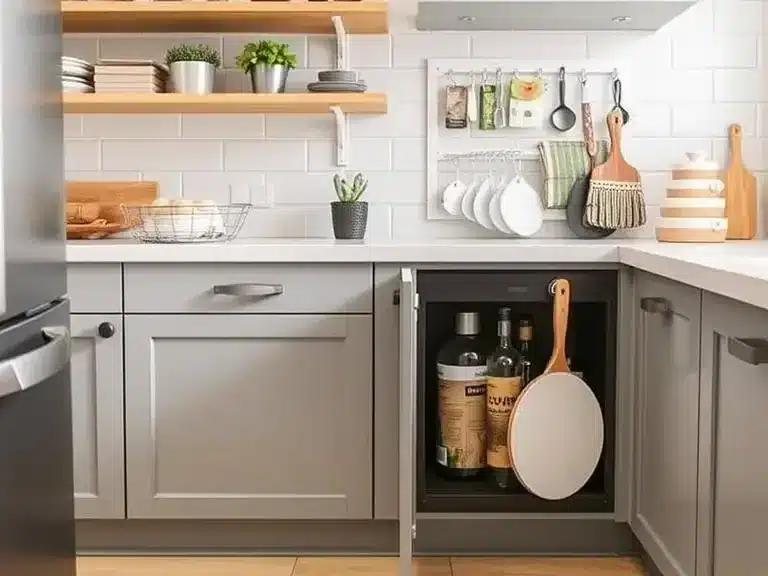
{"x": 407, "y": 469}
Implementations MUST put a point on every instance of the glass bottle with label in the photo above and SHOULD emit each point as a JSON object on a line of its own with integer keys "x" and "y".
{"x": 461, "y": 375}
{"x": 505, "y": 369}
{"x": 525, "y": 337}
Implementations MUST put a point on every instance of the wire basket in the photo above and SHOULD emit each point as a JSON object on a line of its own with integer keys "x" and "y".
{"x": 185, "y": 222}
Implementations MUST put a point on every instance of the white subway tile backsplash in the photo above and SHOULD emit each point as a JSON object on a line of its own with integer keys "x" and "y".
{"x": 370, "y": 51}
{"x": 408, "y": 154}
{"x": 300, "y": 126}
{"x": 73, "y": 126}
{"x": 161, "y": 155}
{"x": 81, "y": 155}
{"x": 713, "y": 119}
{"x": 146, "y": 126}
{"x": 168, "y": 183}
{"x": 366, "y": 154}
{"x": 266, "y": 156}
{"x": 707, "y": 51}
{"x": 85, "y": 47}
{"x": 682, "y": 85}
{"x": 410, "y": 50}
{"x": 150, "y": 46}
{"x": 529, "y": 45}
{"x": 740, "y": 85}
{"x": 657, "y": 154}
{"x": 222, "y": 126}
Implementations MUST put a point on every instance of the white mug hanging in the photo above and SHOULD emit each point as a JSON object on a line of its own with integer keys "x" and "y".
{"x": 482, "y": 201}
{"x": 453, "y": 193}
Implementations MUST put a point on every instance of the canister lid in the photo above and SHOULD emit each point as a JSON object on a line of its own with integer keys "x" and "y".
{"x": 696, "y": 161}
{"x": 468, "y": 323}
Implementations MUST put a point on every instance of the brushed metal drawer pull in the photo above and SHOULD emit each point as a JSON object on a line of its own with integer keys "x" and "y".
{"x": 656, "y": 306}
{"x": 249, "y": 290}
{"x": 750, "y": 350}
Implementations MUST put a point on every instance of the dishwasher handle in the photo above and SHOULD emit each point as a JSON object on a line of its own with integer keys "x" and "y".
{"x": 249, "y": 290}
{"x": 750, "y": 350}
{"x": 38, "y": 365}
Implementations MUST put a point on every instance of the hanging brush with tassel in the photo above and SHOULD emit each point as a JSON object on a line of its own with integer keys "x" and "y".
{"x": 615, "y": 198}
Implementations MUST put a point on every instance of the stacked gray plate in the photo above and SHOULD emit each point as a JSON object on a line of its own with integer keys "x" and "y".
{"x": 337, "y": 81}
{"x": 76, "y": 75}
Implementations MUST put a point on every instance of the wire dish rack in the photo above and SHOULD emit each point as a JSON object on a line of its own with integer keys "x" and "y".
{"x": 180, "y": 223}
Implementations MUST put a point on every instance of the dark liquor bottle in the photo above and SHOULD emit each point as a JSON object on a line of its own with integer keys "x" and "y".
{"x": 461, "y": 375}
{"x": 525, "y": 337}
{"x": 505, "y": 369}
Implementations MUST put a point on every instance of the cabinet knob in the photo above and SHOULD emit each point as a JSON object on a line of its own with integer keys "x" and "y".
{"x": 750, "y": 350}
{"x": 106, "y": 330}
{"x": 656, "y": 305}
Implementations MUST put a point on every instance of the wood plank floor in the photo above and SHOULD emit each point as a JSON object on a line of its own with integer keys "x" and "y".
{"x": 353, "y": 566}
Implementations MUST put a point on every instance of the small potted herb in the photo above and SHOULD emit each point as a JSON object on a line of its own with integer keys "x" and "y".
{"x": 349, "y": 213}
{"x": 193, "y": 67}
{"x": 268, "y": 63}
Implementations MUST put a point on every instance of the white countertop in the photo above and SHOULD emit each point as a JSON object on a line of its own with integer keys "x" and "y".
{"x": 738, "y": 270}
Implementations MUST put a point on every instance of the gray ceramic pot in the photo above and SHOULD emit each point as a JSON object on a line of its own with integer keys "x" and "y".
{"x": 350, "y": 220}
{"x": 192, "y": 77}
{"x": 268, "y": 79}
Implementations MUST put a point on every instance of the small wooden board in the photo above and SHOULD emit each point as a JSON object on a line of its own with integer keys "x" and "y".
{"x": 110, "y": 195}
{"x": 740, "y": 191}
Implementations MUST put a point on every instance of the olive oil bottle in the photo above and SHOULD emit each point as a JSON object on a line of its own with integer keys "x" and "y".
{"x": 461, "y": 375}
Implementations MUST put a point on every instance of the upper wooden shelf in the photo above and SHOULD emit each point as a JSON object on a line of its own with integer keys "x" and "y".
{"x": 285, "y": 16}
{"x": 289, "y": 103}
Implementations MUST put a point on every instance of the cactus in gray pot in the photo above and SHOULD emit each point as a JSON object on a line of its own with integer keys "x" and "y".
{"x": 349, "y": 213}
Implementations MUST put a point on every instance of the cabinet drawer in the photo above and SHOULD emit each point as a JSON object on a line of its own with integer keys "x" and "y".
{"x": 248, "y": 288}
{"x": 95, "y": 288}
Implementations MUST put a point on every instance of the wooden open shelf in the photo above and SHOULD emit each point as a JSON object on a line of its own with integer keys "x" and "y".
{"x": 286, "y": 16}
{"x": 295, "y": 103}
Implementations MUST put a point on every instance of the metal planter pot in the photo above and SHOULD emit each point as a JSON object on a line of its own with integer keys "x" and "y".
{"x": 192, "y": 77}
{"x": 268, "y": 79}
{"x": 350, "y": 220}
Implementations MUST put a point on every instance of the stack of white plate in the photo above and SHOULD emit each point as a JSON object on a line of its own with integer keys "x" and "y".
{"x": 337, "y": 81}
{"x": 76, "y": 75}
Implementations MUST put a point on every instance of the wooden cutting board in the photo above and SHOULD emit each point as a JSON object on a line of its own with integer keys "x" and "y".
{"x": 110, "y": 195}
{"x": 740, "y": 191}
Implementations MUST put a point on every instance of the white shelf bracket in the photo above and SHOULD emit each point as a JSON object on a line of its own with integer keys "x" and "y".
{"x": 342, "y": 136}
{"x": 342, "y": 46}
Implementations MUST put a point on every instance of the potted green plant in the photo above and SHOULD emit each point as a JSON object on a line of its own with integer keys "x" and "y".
{"x": 268, "y": 63}
{"x": 192, "y": 68}
{"x": 349, "y": 213}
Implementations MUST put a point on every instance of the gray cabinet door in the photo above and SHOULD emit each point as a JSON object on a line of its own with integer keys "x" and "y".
{"x": 666, "y": 422}
{"x": 97, "y": 416}
{"x": 734, "y": 468}
{"x": 407, "y": 419}
{"x": 249, "y": 416}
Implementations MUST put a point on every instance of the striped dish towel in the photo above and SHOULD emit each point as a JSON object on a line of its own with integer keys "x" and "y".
{"x": 563, "y": 162}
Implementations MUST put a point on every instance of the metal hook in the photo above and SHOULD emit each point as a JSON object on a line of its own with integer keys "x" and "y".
{"x": 498, "y": 74}
{"x": 539, "y": 73}
{"x": 485, "y": 76}
{"x": 514, "y": 74}
{"x": 451, "y": 79}
{"x": 561, "y": 75}
{"x": 614, "y": 74}
{"x": 583, "y": 77}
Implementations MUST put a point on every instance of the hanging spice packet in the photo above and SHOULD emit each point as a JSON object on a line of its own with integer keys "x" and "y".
{"x": 525, "y": 102}
{"x": 456, "y": 107}
{"x": 487, "y": 106}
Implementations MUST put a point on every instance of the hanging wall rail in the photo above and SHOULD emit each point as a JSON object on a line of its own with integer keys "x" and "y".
{"x": 508, "y": 143}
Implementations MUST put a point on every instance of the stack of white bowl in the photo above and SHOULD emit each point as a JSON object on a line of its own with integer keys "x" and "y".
{"x": 694, "y": 209}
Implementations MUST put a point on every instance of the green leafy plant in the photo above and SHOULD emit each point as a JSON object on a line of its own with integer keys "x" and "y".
{"x": 192, "y": 53}
{"x": 350, "y": 191}
{"x": 265, "y": 52}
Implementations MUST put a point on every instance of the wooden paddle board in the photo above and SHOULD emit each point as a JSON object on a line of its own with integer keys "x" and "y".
{"x": 740, "y": 191}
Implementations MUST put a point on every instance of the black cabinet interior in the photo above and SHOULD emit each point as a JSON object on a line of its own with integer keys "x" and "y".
{"x": 591, "y": 346}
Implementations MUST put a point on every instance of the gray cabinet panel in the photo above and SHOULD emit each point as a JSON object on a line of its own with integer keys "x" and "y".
{"x": 385, "y": 391}
{"x": 407, "y": 420}
{"x": 249, "y": 416}
{"x": 95, "y": 288}
{"x": 666, "y": 425}
{"x": 97, "y": 417}
{"x": 275, "y": 288}
{"x": 734, "y": 473}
